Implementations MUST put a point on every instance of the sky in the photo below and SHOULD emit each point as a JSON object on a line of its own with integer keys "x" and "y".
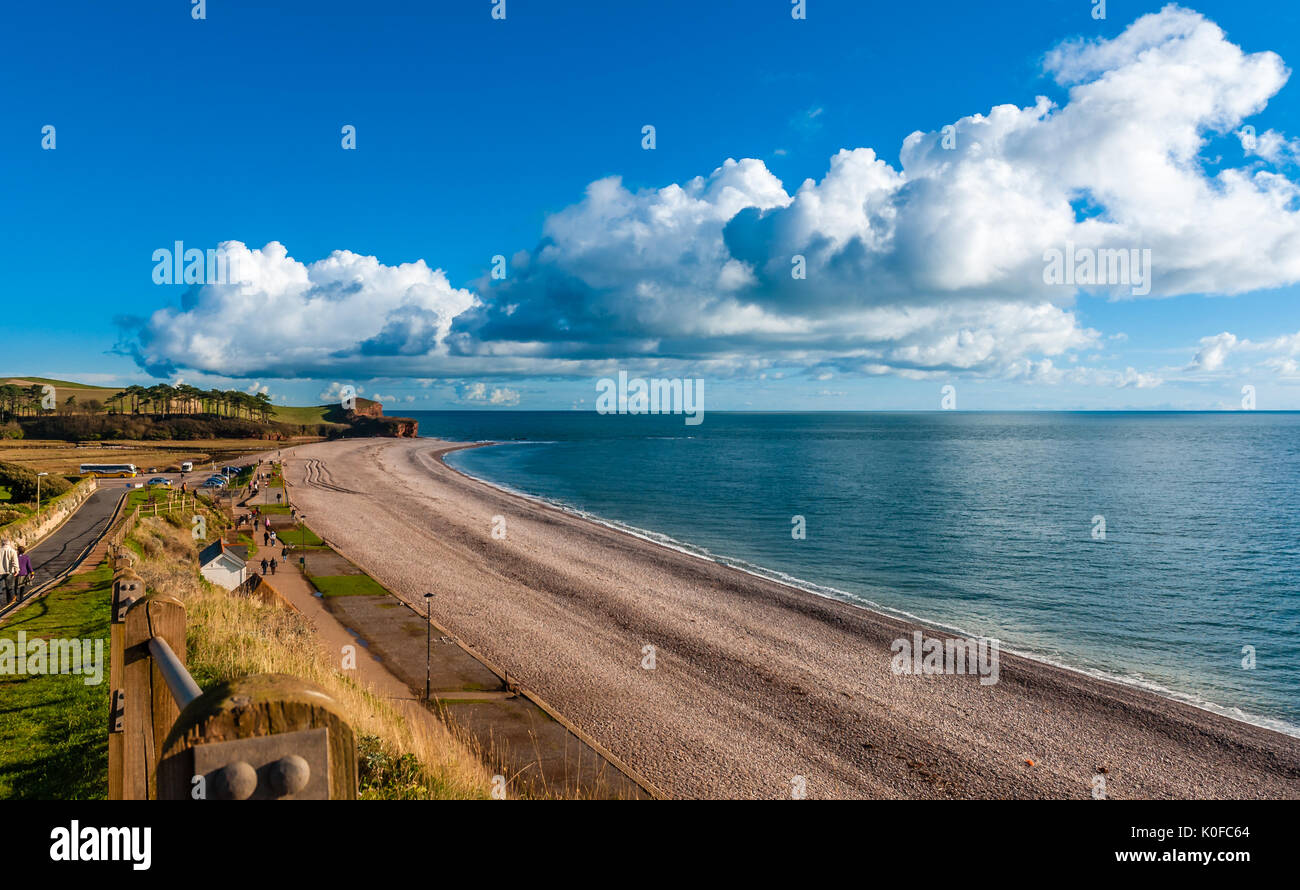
{"x": 849, "y": 210}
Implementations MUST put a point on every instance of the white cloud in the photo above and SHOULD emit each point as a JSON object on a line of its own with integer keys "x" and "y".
{"x": 926, "y": 269}
{"x": 334, "y": 392}
{"x": 1214, "y": 351}
{"x": 311, "y": 319}
{"x": 479, "y": 392}
{"x": 1270, "y": 145}
{"x": 1278, "y": 354}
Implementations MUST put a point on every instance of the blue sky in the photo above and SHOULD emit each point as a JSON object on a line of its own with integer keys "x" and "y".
{"x": 478, "y": 137}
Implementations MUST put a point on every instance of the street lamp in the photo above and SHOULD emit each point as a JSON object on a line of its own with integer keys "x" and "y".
{"x": 428, "y": 641}
{"x": 38, "y": 490}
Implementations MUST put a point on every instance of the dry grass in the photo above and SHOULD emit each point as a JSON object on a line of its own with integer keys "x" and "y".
{"x": 230, "y": 636}
{"x": 54, "y": 456}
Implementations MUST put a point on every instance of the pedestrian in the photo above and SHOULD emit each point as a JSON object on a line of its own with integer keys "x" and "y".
{"x": 266, "y": 539}
{"x": 273, "y": 565}
{"x": 264, "y": 565}
{"x": 277, "y": 498}
{"x": 24, "y": 570}
{"x": 8, "y": 569}
{"x": 284, "y": 552}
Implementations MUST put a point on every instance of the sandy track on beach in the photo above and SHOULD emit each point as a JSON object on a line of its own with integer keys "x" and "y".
{"x": 755, "y": 683}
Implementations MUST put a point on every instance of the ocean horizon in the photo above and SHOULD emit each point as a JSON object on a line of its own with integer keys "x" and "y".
{"x": 1156, "y": 548}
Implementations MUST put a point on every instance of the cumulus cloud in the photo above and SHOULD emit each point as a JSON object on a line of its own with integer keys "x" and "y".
{"x": 334, "y": 392}
{"x": 1214, "y": 351}
{"x": 310, "y": 319}
{"x": 499, "y": 396}
{"x": 1270, "y": 145}
{"x": 1278, "y": 354}
{"x": 929, "y": 267}
{"x": 936, "y": 265}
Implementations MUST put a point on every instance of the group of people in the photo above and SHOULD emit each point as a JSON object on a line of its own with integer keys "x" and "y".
{"x": 15, "y": 571}
{"x": 269, "y": 536}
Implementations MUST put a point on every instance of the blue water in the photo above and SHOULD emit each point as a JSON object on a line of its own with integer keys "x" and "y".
{"x": 977, "y": 522}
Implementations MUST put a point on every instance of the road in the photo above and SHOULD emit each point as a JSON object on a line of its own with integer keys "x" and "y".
{"x": 60, "y": 550}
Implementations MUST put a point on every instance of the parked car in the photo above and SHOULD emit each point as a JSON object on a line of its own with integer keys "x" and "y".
{"x": 160, "y": 480}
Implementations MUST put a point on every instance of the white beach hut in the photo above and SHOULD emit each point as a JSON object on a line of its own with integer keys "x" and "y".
{"x": 224, "y": 565}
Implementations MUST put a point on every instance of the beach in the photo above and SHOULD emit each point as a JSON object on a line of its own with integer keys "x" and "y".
{"x": 752, "y": 689}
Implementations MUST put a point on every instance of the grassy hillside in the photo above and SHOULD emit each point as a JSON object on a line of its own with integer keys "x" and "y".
{"x": 317, "y": 413}
{"x": 84, "y": 392}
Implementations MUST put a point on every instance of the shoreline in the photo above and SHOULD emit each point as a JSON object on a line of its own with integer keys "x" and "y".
{"x": 758, "y": 680}
{"x": 833, "y": 594}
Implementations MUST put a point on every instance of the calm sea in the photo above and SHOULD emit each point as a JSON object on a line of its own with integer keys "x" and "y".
{"x": 989, "y": 524}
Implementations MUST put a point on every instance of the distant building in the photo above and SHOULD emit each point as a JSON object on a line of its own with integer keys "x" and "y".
{"x": 223, "y": 564}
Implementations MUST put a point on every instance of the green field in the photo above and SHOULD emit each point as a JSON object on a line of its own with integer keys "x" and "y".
{"x": 305, "y": 415}
{"x": 347, "y": 585}
{"x": 316, "y": 413}
{"x": 53, "y": 738}
{"x": 83, "y": 392}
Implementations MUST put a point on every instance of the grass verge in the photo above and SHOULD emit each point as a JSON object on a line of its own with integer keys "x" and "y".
{"x": 54, "y": 727}
{"x": 347, "y": 585}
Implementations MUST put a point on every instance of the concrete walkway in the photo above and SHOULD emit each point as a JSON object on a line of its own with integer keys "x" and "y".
{"x": 538, "y": 754}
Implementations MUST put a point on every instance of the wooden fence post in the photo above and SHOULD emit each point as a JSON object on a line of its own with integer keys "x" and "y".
{"x": 127, "y": 587}
{"x": 266, "y": 736}
{"x": 149, "y": 709}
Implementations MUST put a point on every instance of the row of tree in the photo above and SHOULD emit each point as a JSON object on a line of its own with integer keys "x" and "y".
{"x": 183, "y": 399}
{"x": 17, "y": 400}
{"x": 161, "y": 399}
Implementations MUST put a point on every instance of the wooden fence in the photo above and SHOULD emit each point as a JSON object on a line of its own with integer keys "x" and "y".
{"x": 265, "y": 736}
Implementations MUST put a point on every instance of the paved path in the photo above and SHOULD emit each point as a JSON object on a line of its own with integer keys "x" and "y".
{"x": 63, "y": 548}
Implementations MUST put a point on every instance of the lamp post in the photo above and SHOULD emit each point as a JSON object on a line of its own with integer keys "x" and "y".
{"x": 38, "y": 490}
{"x": 428, "y": 641}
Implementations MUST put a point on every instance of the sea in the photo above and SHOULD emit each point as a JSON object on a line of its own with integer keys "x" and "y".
{"x": 1157, "y": 549}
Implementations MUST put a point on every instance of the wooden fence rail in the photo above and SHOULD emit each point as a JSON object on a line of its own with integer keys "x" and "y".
{"x": 265, "y": 736}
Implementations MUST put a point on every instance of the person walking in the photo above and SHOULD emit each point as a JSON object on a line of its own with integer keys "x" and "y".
{"x": 264, "y": 565}
{"x": 266, "y": 539}
{"x": 272, "y": 537}
{"x": 24, "y": 571}
{"x": 8, "y": 569}
{"x": 273, "y": 565}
